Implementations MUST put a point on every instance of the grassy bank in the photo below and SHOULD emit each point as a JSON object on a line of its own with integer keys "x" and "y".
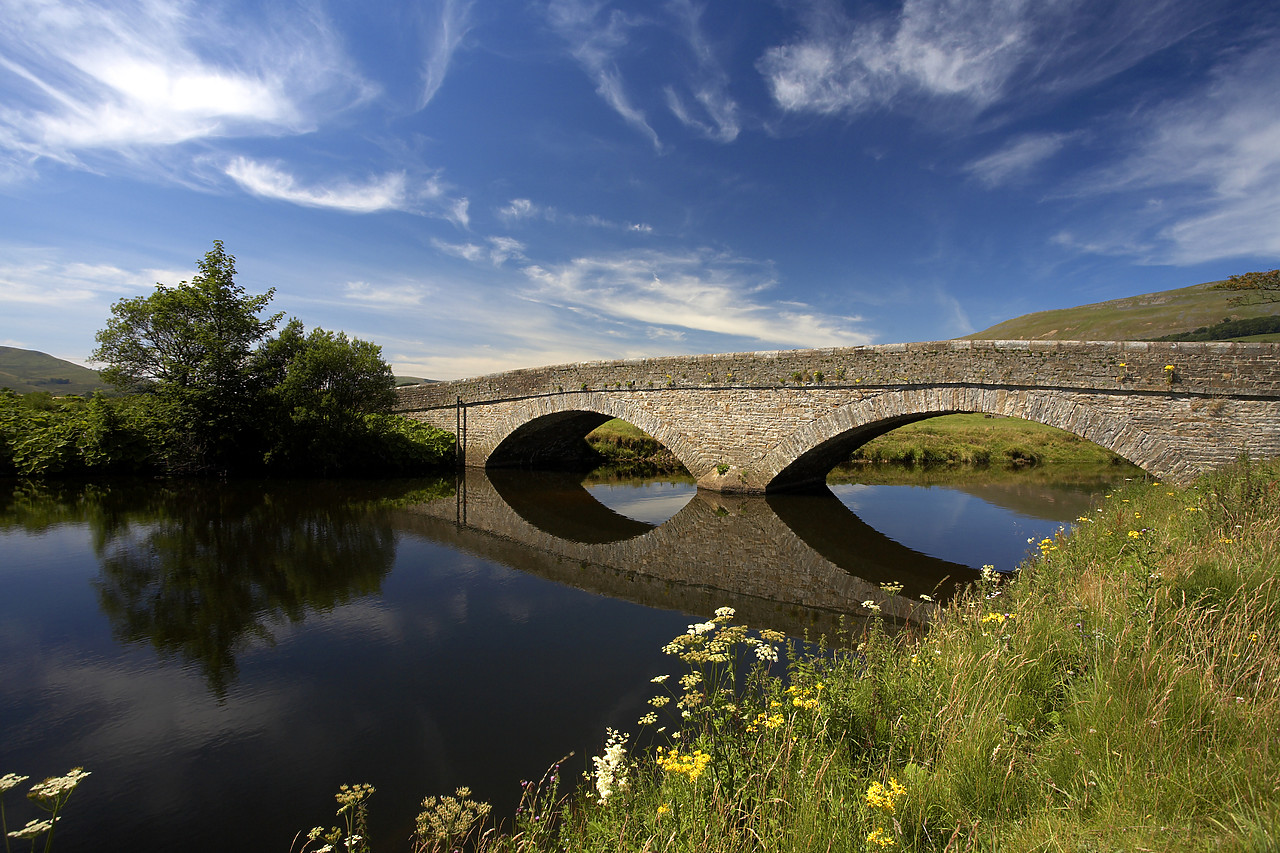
{"x": 1118, "y": 693}
{"x": 981, "y": 441}
{"x": 629, "y": 451}
{"x": 951, "y": 441}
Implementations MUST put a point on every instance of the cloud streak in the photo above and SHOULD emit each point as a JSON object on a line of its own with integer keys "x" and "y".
{"x": 696, "y": 291}
{"x": 267, "y": 181}
{"x": 968, "y": 52}
{"x": 595, "y": 39}
{"x": 443, "y": 40}
{"x": 1018, "y": 159}
{"x": 149, "y": 73}
{"x": 1212, "y": 160}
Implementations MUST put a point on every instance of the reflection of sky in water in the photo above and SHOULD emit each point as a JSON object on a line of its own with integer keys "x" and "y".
{"x": 947, "y": 523}
{"x": 650, "y": 502}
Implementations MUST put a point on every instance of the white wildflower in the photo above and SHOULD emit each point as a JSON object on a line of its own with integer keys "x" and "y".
{"x": 611, "y": 768}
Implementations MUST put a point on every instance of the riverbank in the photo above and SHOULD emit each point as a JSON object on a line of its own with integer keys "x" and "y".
{"x": 1116, "y": 693}
{"x": 911, "y": 453}
{"x": 982, "y": 441}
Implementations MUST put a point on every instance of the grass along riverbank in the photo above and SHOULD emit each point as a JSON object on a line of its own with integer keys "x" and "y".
{"x": 955, "y": 441}
{"x": 1117, "y": 693}
{"x": 981, "y": 441}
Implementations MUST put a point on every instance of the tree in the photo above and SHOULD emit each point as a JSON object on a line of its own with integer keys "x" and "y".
{"x": 323, "y": 384}
{"x": 191, "y": 345}
{"x": 222, "y": 394}
{"x": 1260, "y": 287}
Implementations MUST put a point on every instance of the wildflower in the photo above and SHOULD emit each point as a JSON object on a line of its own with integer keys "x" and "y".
{"x": 871, "y": 605}
{"x": 611, "y": 768}
{"x": 1135, "y": 534}
{"x": 891, "y": 588}
{"x": 928, "y": 598}
{"x": 663, "y": 809}
{"x": 885, "y": 798}
{"x": 771, "y": 636}
{"x": 767, "y": 653}
{"x": 879, "y": 839}
{"x": 724, "y": 612}
{"x": 57, "y": 787}
{"x": 648, "y": 719}
{"x": 33, "y": 829}
{"x": 691, "y": 765}
{"x": 9, "y": 780}
{"x": 659, "y": 701}
{"x": 1169, "y": 367}
{"x": 658, "y": 679}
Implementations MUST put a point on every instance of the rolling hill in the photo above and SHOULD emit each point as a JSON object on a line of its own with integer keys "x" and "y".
{"x": 26, "y": 371}
{"x": 1134, "y": 318}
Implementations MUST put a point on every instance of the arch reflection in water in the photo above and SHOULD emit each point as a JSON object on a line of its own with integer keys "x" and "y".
{"x": 792, "y": 562}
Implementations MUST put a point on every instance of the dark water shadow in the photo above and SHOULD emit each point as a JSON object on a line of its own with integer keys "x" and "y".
{"x": 556, "y": 503}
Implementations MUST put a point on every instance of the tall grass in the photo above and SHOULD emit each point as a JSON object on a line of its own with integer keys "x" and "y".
{"x": 1119, "y": 692}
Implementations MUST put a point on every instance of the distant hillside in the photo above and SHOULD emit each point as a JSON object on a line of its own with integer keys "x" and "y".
{"x": 26, "y": 370}
{"x": 1135, "y": 318}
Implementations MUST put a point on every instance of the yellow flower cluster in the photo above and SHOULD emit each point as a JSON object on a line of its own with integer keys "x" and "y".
{"x": 879, "y": 839}
{"x": 690, "y": 765}
{"x": 765, "y": 720}
{"x": 885, "y": 798}
{"x": 998, "y": 618}
{"x": 805, "y": 699}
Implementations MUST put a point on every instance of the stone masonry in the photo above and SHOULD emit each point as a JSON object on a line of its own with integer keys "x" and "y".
{"x": 765, "y": 421}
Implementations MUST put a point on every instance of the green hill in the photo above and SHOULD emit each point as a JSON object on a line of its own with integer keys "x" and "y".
{"x": 1135, "y": 318}
{"x": 26, "y": 371}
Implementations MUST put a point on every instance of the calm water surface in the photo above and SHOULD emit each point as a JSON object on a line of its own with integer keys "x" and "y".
{"x": 222, "y": 657}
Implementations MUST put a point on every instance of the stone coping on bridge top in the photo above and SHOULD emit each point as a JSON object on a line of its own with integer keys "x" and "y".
{"x": 1191, "y": 367}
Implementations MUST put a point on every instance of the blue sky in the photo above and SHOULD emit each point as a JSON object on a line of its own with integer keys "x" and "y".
{"x": 478, "y": 186}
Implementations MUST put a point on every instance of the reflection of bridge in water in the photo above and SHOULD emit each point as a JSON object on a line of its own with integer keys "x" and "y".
{"x": 794, "y": 562}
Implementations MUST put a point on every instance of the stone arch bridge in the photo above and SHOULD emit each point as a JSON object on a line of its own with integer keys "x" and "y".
{"x": 768, "y": 421}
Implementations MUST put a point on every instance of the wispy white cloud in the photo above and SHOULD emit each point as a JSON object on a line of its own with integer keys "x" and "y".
{"x": 444, "y": 37}
{"x": 1207, "y": 167}
{"x": 595, "y": 38}
{"x": 710, "y": 87}
{"x": 394, "y": 296}
{"x": 699, "y": 291}
{"x": 520, "y": 208}
{"x": 268, "y": 181}
{"x": 143, "y": 73}
{"x": 1017, "y": 159}
{"x": 969, "y": 51}
{"x": 39, "y": 278}
{"x": 523, "y": 209}
{"x": 499, "y": 251}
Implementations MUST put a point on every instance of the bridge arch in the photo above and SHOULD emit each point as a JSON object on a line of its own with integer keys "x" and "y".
{"x": 548, "y": 431}
{"x": 804, "y": 458}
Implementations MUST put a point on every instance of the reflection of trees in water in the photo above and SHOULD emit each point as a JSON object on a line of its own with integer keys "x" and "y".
{"x": 200, "y": 571}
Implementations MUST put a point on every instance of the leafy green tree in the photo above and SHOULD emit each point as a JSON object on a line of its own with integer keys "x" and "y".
{"x": 323, "y": 385}
{"x": 191, "y": 345}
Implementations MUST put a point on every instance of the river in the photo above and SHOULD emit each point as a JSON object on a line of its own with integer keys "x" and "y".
{"x": 221, "y": 656}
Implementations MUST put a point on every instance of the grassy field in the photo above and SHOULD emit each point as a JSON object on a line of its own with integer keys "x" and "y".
{"x": 27, "y": 371}
{"x": 1119, "y": 692}
{"x": 1134, "y": 318}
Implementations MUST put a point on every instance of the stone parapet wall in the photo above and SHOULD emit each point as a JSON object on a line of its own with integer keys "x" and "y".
{"x": 1205, "y": 368}
{"x": 753, "y": 422}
